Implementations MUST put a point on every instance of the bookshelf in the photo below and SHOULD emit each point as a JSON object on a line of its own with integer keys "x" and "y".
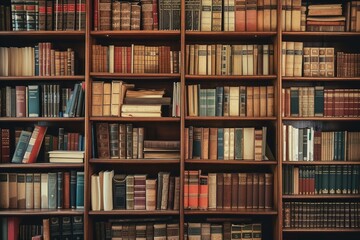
{"x": 173, "y": 128}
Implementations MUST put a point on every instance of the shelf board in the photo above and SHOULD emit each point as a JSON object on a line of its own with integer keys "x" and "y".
{"x": 43, "y": 34}
{"x": 320, "y": 163}
{"x": 136, "y": 119}
{"x": 231, "y": 212}
{"x": 26, "y": 212}
{"x": 157, "y": 76}
{"x": 137, "y": 33}
{"x": 134, "y": 161}
{"x": 322, "y": 79}
{"x": 41, "y": 165}
{"x": 41, "y": 119}
{"x": 188, "y": 118}
{"x": 229, "y": 77}
{"x": 338, "y": 34}
{"x": 321, "y": 118}
{"x": 135, "y": 212}
{"x": 227, "y": 35}
{"x": 229, "y": 162}
{"x": 323, "y": 196}
{"x": 43, "y": 78}
{"x": 324, "y": 230}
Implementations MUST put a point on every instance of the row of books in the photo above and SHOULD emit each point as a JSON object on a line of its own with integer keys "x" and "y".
{"x": 321, "y": 214}
{"x": 40, "y": 60}
{"x": 233, "y": 101}
{"x": 64, "y": 227}
{"x": 226, "y": 143}
{"x": 293, "y": 16}
{"x": 55, "y": 190}
{"x": 328, "y": 179}
{"x": 325, "y": 17}
{"x": 309, "y": 144}
{"x": 239, "y": 16}
{"x": 135, "y": 59}
{"x": 235, "y": 191}
{"x": 137, "y": 228}
{"x": 134, "y": 192}
{"x": 320, "y": 102}
{"x": 226, "y": 230}
{"x": 223, "y": 59}
{"x": 298, "y": 60}
{"x": 124, "y": 141}
{"x": 42, "y": 101}
{"x": 144, "y": 15}
{"x": 348, "y": 64}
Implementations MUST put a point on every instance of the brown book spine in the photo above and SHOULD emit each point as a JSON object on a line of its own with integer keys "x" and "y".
{"x": 227, "y": 191}
{"x": 249, "y": 190}
{"x": 242, "y": 191}
{"x": 261, "y": 190}
{"x": 219, "y": 190}
{"x": 234, "y": 190}
{"x": 103, "y": 142}
{"x": 67, "y": 190}
{"x": 269, "y": 190}
{"x": 5, "y": 145}
{"x": 255, "y": 196}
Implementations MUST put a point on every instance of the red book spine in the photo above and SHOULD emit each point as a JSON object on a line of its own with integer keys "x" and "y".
{"x": 40, "y": 59}
{"x": 204, "y": 192}
{"x": 5, "y": 145}
{"x": 155, "y": 15}
{"x": 193, "y": 189}
{"x": 67, "y": 190}
{"x": 13, "y": 228}
{"x": 76, "y": 141}
{"x": 96, "y": 14}
{"x": 186, "y": 189}
{"x": 47, "y": 59}
{"x": 37, "y": 144}
{"x": 20, "y": 101}
{"x": 116, "y": 59}
{"x": 128, "y": 60}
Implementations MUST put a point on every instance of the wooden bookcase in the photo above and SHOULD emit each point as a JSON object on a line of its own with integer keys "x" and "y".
{"x": 173, "y": 128}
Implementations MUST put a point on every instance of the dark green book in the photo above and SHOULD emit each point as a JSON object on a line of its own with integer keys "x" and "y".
{"x": 319, "y": 101}
{"x": 219, "y": 101}
{"x": 355, "y": 180}
{"x": 349, "y": 178}
{"x": 220, "y": 145}
{"x": 197, "y": 143}
{"x": 238, "y": 143}
{"x": 34, "y": 101}
{"x": 338, "y": 179}
{"x": 66, "y": 230}
{"x": 332, "y": 179}
{"x": 325, "y": 180}
{"x": 77, "y": 228}
{"x": 344, "y": 182}
{"x": 294, "y": 101}
{"x": 202, "y": 102}
{"x": 52, "y": 190}
{"x": 55, "y": 228}
{"x": 60, "y": 190}
{"x": 211, "y": 102}
{"x": 21, "y": 147}
{"x": 80, "y": 190}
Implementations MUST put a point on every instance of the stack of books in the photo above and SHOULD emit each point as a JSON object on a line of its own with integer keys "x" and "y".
{"x": 161, "y": 149}
{"x": 325, "y": 18}
{"x": 66, "y": 156}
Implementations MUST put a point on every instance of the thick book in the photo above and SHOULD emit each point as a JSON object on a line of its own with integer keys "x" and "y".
{"x": 33, "y": 148}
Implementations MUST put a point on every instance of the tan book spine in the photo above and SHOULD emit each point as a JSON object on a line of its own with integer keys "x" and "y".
{"x": 97, "y": 98}
{"x": 213, "y": 144}
{"x": 307, "y": 62}
{"x": 263, "y": 100}
{"x": 274, "y": 15}
{"x": 250, "y": 58}
{"x": 256, "y": 101}
{"x": 298, "y": 57}
{"x": 234, "y": 101}
{"x": 107, "y": 99}
{"x": 270, "y": 97}
{"x": 213, "y": 59}
{"x": 212, "y": 190}
{"x": 296, "y": 15}
{"x": 267, "y": 15}
{"x": 289, "y": 66}
{"x": 288, "y": 17}
{"x": 250, "y": 101}
{"x": 244, "y": 54}
{"x": 330, "y": 62}
{"x": 260, "y": 15}
{"x": 322, "y": 63}
{"x": 205, "y": 143}
{"x": 314, "y": 62}
{"x": 196, "y": 59}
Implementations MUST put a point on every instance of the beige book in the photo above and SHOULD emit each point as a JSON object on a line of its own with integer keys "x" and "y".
{"x": 212, "y": 56}
{"x": 4, "y": 190}
{"x": 150, "y": 194}
{"x": 226, "y": 144}
{"x": 307, "y": 63}
{"x": 95, "y": 193}
{"x": 266, "y": 59}
{"x": 187, "y": 59}
{"x": 260, "y": 15}
{"x": 203, "y": 61}
{"x": 29, "y": 192}
{"x": 283, "y": 59}
{"x": 231, "y": 143}
{"x": 44, "y": 190}
{"x": 249, "y": 101}
{"x": 231, "y": 16}
{"x": 218, "y": 59}
{"x": 111, "y": 58}
{"x": 209, "y": 63}
{"x": 12, "y": 190}
{"x": 314, "y": 61}
{"x": 250, "y": 58}
{"x": 266, "y": 20}
{"x": 234, "y": 101}
{"x": 196, "y": 59}
{"x": 107, "y": 190}
{"x": 97, "y": 99}
{"x": 273, "y": 15}
{"x": 236, "y": 60}
{"x": 115, "y": 98}
{"x": 256, "y": 101}
{"x": 205, "y": 143}
{"x": 298, "y": 56}
{"x": 296, "y": 15}
{"x": 289, "y": 66}
{"x": 330, "y": 61}
{"x": 206, "y": 15}
{"x": 37, "y": 191}
{"x": 191, "y": 60}
{"x": 263, "y": 100}
{"x": 21, "y": 191}
{"x": 249, "y": 143}
{"x": 196, "y": 99}
{"x": 153, "y": 108}
{"x": 255, "y": 59}
{"x": 270, "y": 101}
{"x": 212, "y": 190}
{"x": 283, "y": 15}
{"x": 311, "y": 97}
{"x": 288, "y": 15}
{"x": 244, "y": 54}
{"x": 190, "y": 100}
{"x": 322, "y": 63}
{"x": 107, "y": 99}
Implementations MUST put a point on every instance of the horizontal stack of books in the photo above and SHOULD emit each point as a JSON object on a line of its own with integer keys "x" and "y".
{"x": 54, "y": 190}
{"x": 161, "y": 149}
{"x": 327, "y": 179}
{"x": 134, "y": 192}
{"x": 236, "y": 191}
{"x": 325, "y": 18}
{"x": 66, "y": 156}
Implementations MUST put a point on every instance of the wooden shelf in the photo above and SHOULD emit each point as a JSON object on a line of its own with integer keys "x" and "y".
{"x": 320, "y": 163}
{"x": 198, "y": 35}
{"x": 229, "y": 77}
{"x": 43, "y": 78}
{"x": 324, "y": 230}
{"x": 41, "y": 165}
{"x": 321, "y": 118}
{"x": 134, "y": 161}
{"x": 323, "y": 196}
{"x": 44, "y": 212}
{"x": 136, "y": 119}
{"x": 132, "y": 76}
{"x": 231, "y": 212}
{"x": 135, "y": 212}
{"x": 230, "y": 118}
{"x": 322, "y": 34}
{"x": 53, "y": 35}
{"x": 230, "y": 162}
{"x": 322, "y": 79}
{"x": 136, "y": 33}
{"x": 41, "y": 119}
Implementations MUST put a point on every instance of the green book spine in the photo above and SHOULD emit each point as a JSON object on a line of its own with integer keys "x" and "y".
{"x": 52, "y": 190}
{"x": 319, "y": 101}
{"x": 349, "y": 178}
{"x": 219, "y": 101}
{"x": 211, "y": 102}
{"x": 317, "y": 189}
{"x": 197, "y": 143}
{"x": 80, "y": 190}
{"x": 338, "y": 180}
{"x": 238, "y": 143}
{"x": 332, "y": 179}
{"x": 343, "y": 147}
{"x": 325, "y": 180}
{"x": 21, "y": 147}
{"x": 356, "y": 179}
{"x": 294, "y": 102}
{"x": 344, "y": 179}
{"x": 202, "y": 102}
{"x": 34, "y": 101}
{"x": 220, "y": 142}
{"x": 336, "y": 149}
{"x": 320, "y": 180}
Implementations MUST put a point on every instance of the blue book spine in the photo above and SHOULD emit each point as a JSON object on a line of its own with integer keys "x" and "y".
{"x": 80, "y": 190}
{"x": 21, "y": 147}
{"x": 52, "y": 190}
{"x": 219, "y": 101}
{"x": 75, "y": 99}
{"x": 36, "y": 55}
{"x": 220, "y": 144}
{"x": 34, "y": 101}
{"x": 60, "y": 190}
{"x": 73, "y": 189}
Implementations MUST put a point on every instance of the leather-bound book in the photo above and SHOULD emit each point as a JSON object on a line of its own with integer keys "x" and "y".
{"x": 66, "y": 190}
{"x": 227, "y": 231}
{"x": 119, "y": 191}
{"x": 66, "y": 225}
{"x": 219, "y": 190}
{"x": 269, "y": 181}
{"x": 273, "y": 12}
{"x": 37, "y": 191}
{"x": 217, "y": 16}
{"x": 263, "y": 6}
{"x": 55, "y": 228}
{"x": 240, "y": 6}
{"x": 242, "y": 191}
{"x": 227, "y": 191}
{"x": 71, "y": 15}
{"x": 114, "y": 140}
{"x": 212, "y": 182}
{"x": 249, "y": 190}
{"x": 251, "y": 15}
{"x": 29, "y": 192}
{"x": 122, "y": 141}
{"x": 46, "y": 229}
{"x": 97, "y": 98}
{"x": 135, "y": 20}
{"x": 105, "y": 15}
{"x": 296, "y": 16}
{"x": 125, "y": 18}
{"x": 234, "y": 190}
{"x": 177, "y": 194}
{"x": 58, "y": 14}
{"x": 4, "y": 191}
{"x": 49, "y": 15}
{"x": 115, "y": 16}
{"x": 147, "y": 15}
{"x": 171, "y": 193}
{"x": 139, "y": 192}
{"x": 261, "y": 190}
{"x": 255, "y": 196}
{"x": 60, "y": 190}
{"x": 203, "y": 192}
{"x": 150, "y": 189}
{"x": 103, "y": 142}
{"x": 5, "y": 145}
{"x": 298, "y": 55}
